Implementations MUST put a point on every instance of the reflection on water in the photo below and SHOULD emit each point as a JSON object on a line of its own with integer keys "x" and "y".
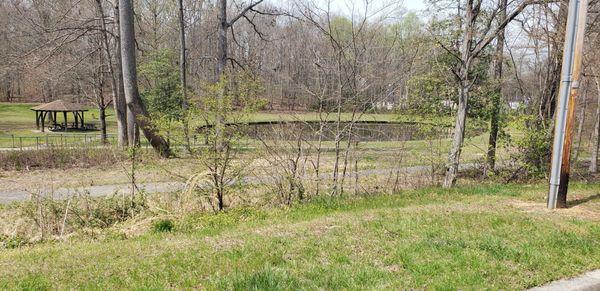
{"x": 361, "y": 131}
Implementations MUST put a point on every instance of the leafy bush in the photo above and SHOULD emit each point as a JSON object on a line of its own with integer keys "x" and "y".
{"x": 161, "y": 90}
{"x": 163, "y": 225}
{"x": 534, "y": 147}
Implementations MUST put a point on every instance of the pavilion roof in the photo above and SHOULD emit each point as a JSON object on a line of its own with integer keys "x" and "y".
{"x": 60, "y": 105}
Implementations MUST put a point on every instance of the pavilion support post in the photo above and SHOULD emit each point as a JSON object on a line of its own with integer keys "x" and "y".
{"x": 43, "y": 119}
{"x": 37, "y": 120}
{"x": 82, "y": 120}
{"x": 76, "y": 116}
{"x": 65, "y": 117}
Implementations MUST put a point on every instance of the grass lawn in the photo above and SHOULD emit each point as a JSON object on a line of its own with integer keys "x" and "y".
{"x": 18, "y": 119}
{"x": 491, "y": 236}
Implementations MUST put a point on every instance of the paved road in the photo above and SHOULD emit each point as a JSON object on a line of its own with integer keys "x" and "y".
{"x": 587, "y": 282}
{"x": 163, "y": 187}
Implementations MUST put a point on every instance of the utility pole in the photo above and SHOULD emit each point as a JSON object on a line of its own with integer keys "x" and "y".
{"x": 570, "y": 76}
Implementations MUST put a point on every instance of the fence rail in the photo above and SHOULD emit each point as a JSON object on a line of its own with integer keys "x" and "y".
{"x": 11, "y": 141}
{"x": 23, "y": 142}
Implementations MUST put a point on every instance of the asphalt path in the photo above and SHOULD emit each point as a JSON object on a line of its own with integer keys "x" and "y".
{"x": 10, "y": 196}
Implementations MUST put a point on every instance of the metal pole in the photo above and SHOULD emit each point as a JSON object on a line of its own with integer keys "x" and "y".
{"x": 561, "y": 199}
{"x": 565, "y": 88}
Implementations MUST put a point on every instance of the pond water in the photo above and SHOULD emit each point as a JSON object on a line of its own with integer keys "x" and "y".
{"x": 361, "y": 131}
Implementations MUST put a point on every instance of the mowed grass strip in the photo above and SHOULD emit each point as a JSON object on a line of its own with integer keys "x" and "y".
{"x": 443, "y": 239}
{"x": 18, "y": 117}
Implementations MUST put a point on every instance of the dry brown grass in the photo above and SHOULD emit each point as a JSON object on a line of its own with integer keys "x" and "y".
{"x": 58, "y": 158}
{"x": 583, "y": 211}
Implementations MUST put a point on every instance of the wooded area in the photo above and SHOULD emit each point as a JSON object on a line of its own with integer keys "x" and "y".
{"x": 242, "y": 144}
{"x": 483, "y": 59}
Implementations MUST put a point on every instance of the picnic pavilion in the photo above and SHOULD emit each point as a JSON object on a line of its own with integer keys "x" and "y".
{"x": 50, "y": 111}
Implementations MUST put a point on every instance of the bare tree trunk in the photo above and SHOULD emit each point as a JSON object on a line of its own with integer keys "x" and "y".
{"x": 463, "y": 97}
{"x": 102, "y": 110}
{"x": 338, "y": 133}
{"x": 132, "y": 96}
{"x": 581, "y": 119}
{"x": 458, "y": 136}
{"x": 497, "y": 95}
{"x": 118, "y": 100}
{"x": 183, "y": 77}
{"x": 317, "y": 165}
{"x": 596, "y": 142}
{"x": 132, "y": 136}
{"x": 222, "y": 38}
{"x": 222, "y": 58}
{"x": 221, "y": 62}
{"x": 99, "y": 94}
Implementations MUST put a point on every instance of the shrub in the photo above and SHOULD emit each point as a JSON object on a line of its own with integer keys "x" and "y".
{"x": 163, "y": 225}
{"x": 534, "y": 147}
{"x": 58, "y": 217}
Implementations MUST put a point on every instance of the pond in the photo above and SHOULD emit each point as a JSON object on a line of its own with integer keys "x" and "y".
{"x": 361, "y": 130}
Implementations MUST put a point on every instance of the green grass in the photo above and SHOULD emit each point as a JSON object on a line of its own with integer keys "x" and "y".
{"x": 16, "y": 119}
{"x": 470, "y": 237}
{"x": 17, "y": 116}
{"x": 16, "y": 113}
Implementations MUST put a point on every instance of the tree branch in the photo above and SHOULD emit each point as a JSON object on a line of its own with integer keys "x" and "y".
{"x": 481, "y": 45}
{"x": 243, "y": 12}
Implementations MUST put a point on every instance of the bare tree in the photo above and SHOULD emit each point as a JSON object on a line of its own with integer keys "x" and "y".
{"x": 222, "y": 57}
{"x": 131, "y": 127}
{"x": 470, "y": 49}
{"x": 118, "y": 100}
{"x": 497, "y": 95}
{"x": 132, "y": 96}
{"x": 183, "y": 76}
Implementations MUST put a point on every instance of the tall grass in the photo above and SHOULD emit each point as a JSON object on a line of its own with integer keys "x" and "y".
{"x": 59, "y": 158}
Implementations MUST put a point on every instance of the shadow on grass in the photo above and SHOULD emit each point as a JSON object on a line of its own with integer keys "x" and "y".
{"x": 583, "y": 200}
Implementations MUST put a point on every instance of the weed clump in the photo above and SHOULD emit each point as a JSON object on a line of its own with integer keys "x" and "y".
{"x": 11, "y": 242}
{"x": 163, "y": 225}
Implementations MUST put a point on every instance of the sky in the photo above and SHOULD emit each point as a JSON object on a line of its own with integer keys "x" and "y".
{"x": 345, "y": 6}
{"x": 414, "y": 5}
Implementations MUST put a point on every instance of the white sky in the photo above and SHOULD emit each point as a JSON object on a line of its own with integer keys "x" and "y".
{"x": 414, "y": 5}
{"x": 393, "y": 8}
